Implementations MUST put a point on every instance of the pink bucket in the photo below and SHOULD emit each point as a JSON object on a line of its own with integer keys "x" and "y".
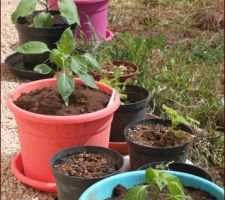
{"x": 93, "y": 16}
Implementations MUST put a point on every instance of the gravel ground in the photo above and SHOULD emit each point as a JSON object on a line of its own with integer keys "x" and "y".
{"x": 11, "y": 188}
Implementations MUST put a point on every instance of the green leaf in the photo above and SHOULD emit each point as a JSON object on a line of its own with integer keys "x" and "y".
{"x": 155, "y": 178}
{"x": 66, "y": 44}
{"x": 78, "y": 65}
{"x": 43, "y": 19}
{"x": 137, "y": 193}
{"x": 88, "y": 80}
{"x": 68, "y": 10}
{"x": 33, "y": 47}
{"x": 43, "y": 69}
{"x": 66, "y": 85}
{"x": 171, "y": 178}
{"x": 24, "y": 8}
{"x": 91, "y": 61}
{"x": 58, "y": 58}
{"x": 175, "y": 189}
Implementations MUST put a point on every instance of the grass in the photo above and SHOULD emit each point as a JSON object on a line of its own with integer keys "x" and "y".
{"x": 180, "y": 62}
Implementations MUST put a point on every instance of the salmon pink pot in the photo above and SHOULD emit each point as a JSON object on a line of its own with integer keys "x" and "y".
{"x": 41, "y": 136}
{"x": 94, "y": 12}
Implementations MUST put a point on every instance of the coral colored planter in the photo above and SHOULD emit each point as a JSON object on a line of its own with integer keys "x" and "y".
{"x": 94, "y": 12}
{"x": 103, "y": 189}
{"x": 41, "y": 135}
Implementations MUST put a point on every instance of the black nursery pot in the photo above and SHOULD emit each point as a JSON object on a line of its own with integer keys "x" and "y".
{"x": 70, "y": 188}
{"x": 129, "y": 112}
{"x": 47, "y": 35}
{"x": 141, "y": 155}
{"x": 180, "y": 167}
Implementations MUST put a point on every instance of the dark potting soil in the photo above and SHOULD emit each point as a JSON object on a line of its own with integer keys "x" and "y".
{"x": 119, "y": 192}
{"x": 154, "y": 135}
{"x": 28, "y": 21}
{"x": 86, "y": 165}
{"x": 47, "y": 101}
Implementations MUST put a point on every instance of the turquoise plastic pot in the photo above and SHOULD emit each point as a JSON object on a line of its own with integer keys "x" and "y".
{"x": 103, "y": 189}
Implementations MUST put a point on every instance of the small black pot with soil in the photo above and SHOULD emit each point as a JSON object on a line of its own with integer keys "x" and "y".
{"x": 75, "y": 169}
{"x": 151, "y": 141}
{"x": 180, "y": 167}
{"x": 132, "y": 110}
{"x": 48, "y": 35}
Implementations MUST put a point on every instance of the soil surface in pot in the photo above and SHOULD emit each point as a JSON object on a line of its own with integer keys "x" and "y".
{"x": 154, "y": 135}
{"x": 47, "y": 101}
{"x": 120, "y": 191}
{"x": 86, "y": 165}
{"x": 28, "y": 21}
{"x": 110, "y": 69}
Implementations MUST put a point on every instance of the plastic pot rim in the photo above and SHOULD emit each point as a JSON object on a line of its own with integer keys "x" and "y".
{"x": 49, "y": 119}
{"x": 151, "y": 147}
{"x": 86, "y": 179}
{"x": 63, "y": 26}
{"x": 137, "y": 102}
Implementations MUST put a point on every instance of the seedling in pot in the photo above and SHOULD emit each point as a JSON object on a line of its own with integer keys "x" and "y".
{"x": 158, "y": 181}
{"x": 116, "y": 84}
{"x": 177, "y": 119}
{"x": 67, "y": 59}
{"x": 67, "y": 9}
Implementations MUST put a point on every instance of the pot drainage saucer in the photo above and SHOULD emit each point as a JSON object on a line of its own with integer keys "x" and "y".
{"x": 15, "y": 64}
{"x": 17, "y": 170}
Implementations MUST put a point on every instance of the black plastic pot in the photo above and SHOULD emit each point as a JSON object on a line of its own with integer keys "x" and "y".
{"x": 141, "y": 155}
{"x": 14, "y": 62}
{"x": 70, "y": 188}
{"x": 180, "y": 167}
{"x": 47, "y": 35}
{"x": 129, "y": 112}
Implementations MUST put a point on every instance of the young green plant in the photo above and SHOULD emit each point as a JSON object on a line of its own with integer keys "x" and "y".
{"x": 67, "y": 9}
{"x": 158, "y": 181}
{"x": 116, "y": 84}
{"x": 67, "y": 59}
{"x": 177, "y": 119}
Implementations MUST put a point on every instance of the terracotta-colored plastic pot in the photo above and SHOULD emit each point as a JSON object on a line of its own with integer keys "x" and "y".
{"x": 123, "y": 77}
{"x": 122, "y": 147}
{"x": 94, "y": 12}
{"x": 41, "y": 136}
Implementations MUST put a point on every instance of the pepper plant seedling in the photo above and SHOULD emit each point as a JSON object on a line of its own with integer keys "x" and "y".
{"x": 116, "y": 84}
{"x": 177, "y": 119}
{"x": 158, "y": 181}
{"x": 67, "y": 60}
{"x": 67, "y": 9}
